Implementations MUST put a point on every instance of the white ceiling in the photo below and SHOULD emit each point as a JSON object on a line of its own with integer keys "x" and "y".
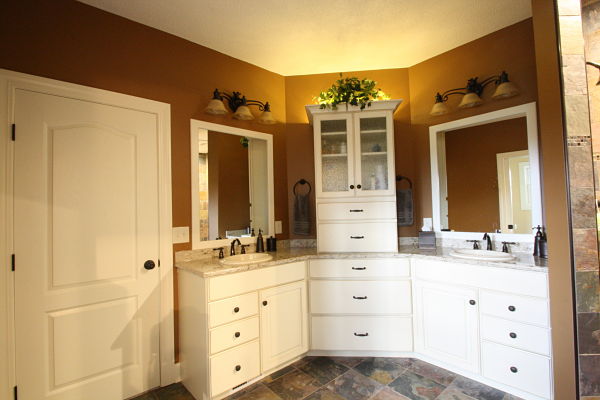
{"x": 296, "y": 37}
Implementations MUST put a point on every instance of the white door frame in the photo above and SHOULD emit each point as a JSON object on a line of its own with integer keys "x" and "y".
{"x": 9, "y": 82}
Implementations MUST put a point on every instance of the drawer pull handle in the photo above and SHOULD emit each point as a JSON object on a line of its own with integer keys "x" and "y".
{"x": 359, "y": 297}
{"x": 238, "y": 367}
{"x": 512, "y": 308}
{"x": 359, "y": 268}
{"x": 514, "y": 370}
{"x": 351, "y": 186}
{"x": 236, "y": 310}
{"x": 361, "y": 334}
{"x": 356, "y": 211}
{"x": 512, "y": 335}
{"x": 357, "y": 237}
{"x": 237, "y": 334}
{"x": 358, "y": 186}
{"x": 472, "y": 302}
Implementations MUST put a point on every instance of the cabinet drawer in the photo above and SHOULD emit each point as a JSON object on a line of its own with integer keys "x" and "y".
{"x": 360, "y": 268}
{"x": 515, "y": 308}
{"x": 228, "y": 310}
{"x": 234, "y": 367}
{"x": 360, "y": 297}
{"x": 233, "y": 334}
{"x": 362, "y": 333}
{"x": 243, "y": 282}
{"x": 515, "y": 334}
{"x": 358, "y": 237}
{"x": 356, "y": 211}
{"x": 517, "y": 368}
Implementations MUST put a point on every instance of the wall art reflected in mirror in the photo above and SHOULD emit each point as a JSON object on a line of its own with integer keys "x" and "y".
{"x": 485, "y": 174}
{"x": 231, "y": 184}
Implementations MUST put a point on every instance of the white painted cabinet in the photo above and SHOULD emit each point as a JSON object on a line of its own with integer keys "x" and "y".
{"x": 355, "y": 178}
{"x": 283, "y": 323}
{"x": 447, "y": 324}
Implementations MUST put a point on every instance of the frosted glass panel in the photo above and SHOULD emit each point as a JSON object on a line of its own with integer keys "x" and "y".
{"x": 334, "y": 155}
{"x": 373, "y": 153}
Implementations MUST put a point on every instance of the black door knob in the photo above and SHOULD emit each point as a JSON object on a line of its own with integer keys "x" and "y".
{"x": 512, "y": 308}
{"x": 237, "y": 309}
{"x": 265, "y": 303}
{"x": 512, "y": 335}
{"x": 149, "y": 264}
{"x": 237, "y": 334}
{"x": 238, "y": 367}
{"x": 472, "y": 302}
{"x": 351, "y": 186}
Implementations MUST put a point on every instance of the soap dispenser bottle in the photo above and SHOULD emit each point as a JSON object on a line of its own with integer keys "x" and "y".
{"x": 538, "y": 237}
{"x": 260, "y": 244}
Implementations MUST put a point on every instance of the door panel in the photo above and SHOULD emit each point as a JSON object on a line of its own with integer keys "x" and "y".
{"x": 86, "y": 220}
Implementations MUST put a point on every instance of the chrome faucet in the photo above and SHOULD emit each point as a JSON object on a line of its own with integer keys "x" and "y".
{"x": 232, "y": 249}
{"x": 489, "y": 241}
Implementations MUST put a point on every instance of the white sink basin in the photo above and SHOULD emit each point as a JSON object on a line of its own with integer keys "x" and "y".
{"x": 483, "y": 255}
{"x": 244, "y": 259}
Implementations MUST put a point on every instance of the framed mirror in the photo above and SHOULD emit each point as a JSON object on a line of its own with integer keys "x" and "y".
{"x": 485, "y": 175}
{"x": 232, "y": 184}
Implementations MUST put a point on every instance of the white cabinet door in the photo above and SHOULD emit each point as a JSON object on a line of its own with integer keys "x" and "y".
{"x": 334, "y": 156}
{"x": 374, "y": 147}
{"x": 446, "y": 324}
{"x": 283, "y": 323}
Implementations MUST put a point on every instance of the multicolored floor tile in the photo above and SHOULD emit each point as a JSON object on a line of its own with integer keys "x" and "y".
{"x": 323, "y": 369}
{"x": 440, "y": 375}
{"x": 388, "y": 394}
{"x": 417, "y": 387}
{"x": 294, "y": 385}
{"x": 355, "y": 386}
{"x": 477, "y": 390}
{"x": 383, "y": 370}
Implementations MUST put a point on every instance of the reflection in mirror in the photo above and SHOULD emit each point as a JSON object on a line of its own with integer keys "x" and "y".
{"x": 231, "y": 184}
{"x": 487, "y": 178}
{"x": 485, "y": 173}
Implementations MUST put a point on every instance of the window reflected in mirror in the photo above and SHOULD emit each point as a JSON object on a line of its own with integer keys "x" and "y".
{"x": 485, "y": 179}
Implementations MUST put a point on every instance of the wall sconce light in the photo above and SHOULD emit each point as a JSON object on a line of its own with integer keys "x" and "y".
{"x": 472, "y": 92}
{"x": 239, "y": 105}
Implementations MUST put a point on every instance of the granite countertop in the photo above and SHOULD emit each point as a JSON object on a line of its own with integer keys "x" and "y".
{"x": 208, "y": 266}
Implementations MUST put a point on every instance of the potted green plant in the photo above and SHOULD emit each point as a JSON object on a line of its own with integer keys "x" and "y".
{"x": 351, "y": 91}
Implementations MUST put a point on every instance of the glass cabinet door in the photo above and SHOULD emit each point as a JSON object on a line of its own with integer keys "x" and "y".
{"x": 375, "y": 148}
{"x": 333, "y": 149}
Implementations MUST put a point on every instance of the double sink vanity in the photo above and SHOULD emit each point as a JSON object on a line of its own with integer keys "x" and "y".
{"x": 482, "y": 314}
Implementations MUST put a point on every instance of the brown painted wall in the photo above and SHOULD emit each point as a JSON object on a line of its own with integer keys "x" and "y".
{"x": 472, "y": 172}
{"x": 70, "y": 41}
{"x": 554, "y": 193}
{"x": 300, "y": 91}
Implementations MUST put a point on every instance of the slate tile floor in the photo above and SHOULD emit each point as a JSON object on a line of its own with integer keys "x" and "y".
{"x": 351, "y": 378}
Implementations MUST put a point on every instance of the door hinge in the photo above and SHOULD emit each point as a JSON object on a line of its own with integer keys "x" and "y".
{"x": 14, "y": 132}
{"x": 15, "y": 393}
{"x": 12, "y": 265}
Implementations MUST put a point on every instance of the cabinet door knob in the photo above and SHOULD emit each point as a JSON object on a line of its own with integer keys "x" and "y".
{"x": 351, "y": 186}
{"x": 237, "y": 309}
{"x": 512, "y": 308}
{"x": 514, "y": 370}
{"x": 149, "y": 265}
{"x": 265, "y": 303}
{"x": 238, "y": 367}
{"x": 237, "y": 334}
{"x": 472, "y": 302}
{"x": 512, "y": 335}
{"x": 359, "y": 297}
{"x": 361, "y": 334}
{"x": 358, "y": 186}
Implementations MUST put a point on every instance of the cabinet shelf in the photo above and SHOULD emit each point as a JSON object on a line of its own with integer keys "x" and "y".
{"x": 375, "y": 153}
{"x": 334, "y": 155}
{"x": 373, "y": 131}
{"x": 342, "y": 133}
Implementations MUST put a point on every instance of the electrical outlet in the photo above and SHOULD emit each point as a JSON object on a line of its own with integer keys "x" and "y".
{"x": 181, "y": 234}
{"x": 278, "y": 227}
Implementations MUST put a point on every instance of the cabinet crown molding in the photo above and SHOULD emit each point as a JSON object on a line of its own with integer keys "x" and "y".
{"x": 314, "y": 109}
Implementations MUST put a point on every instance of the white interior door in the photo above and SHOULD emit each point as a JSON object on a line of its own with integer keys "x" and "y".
{"x": 514, "y": 191}
{"x": 86, "y": 220}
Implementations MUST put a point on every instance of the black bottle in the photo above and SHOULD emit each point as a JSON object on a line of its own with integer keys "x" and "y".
{"x": 538, "y": 237}
{"x": 260, "y": 244}
{"x": 543, "y": 245}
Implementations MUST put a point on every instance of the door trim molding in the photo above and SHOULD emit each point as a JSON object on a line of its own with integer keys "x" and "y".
{"x": 9, "y": 82}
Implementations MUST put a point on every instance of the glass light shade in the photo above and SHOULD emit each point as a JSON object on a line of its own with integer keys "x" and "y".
{"x": 243, "y": 113}
{"x": 266, "y": 118}
{"x": 505, "y": 90}
{"x": 439, "y": 108}
{"x": 470, "y": 100}
{"x": 215, "y": 107}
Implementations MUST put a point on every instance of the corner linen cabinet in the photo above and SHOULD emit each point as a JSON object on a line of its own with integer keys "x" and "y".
{"x": 355, "y": 178}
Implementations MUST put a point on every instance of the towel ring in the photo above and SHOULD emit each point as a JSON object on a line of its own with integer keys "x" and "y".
{"x": 302, "y": 182}
{"x": 401, "y": 178}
